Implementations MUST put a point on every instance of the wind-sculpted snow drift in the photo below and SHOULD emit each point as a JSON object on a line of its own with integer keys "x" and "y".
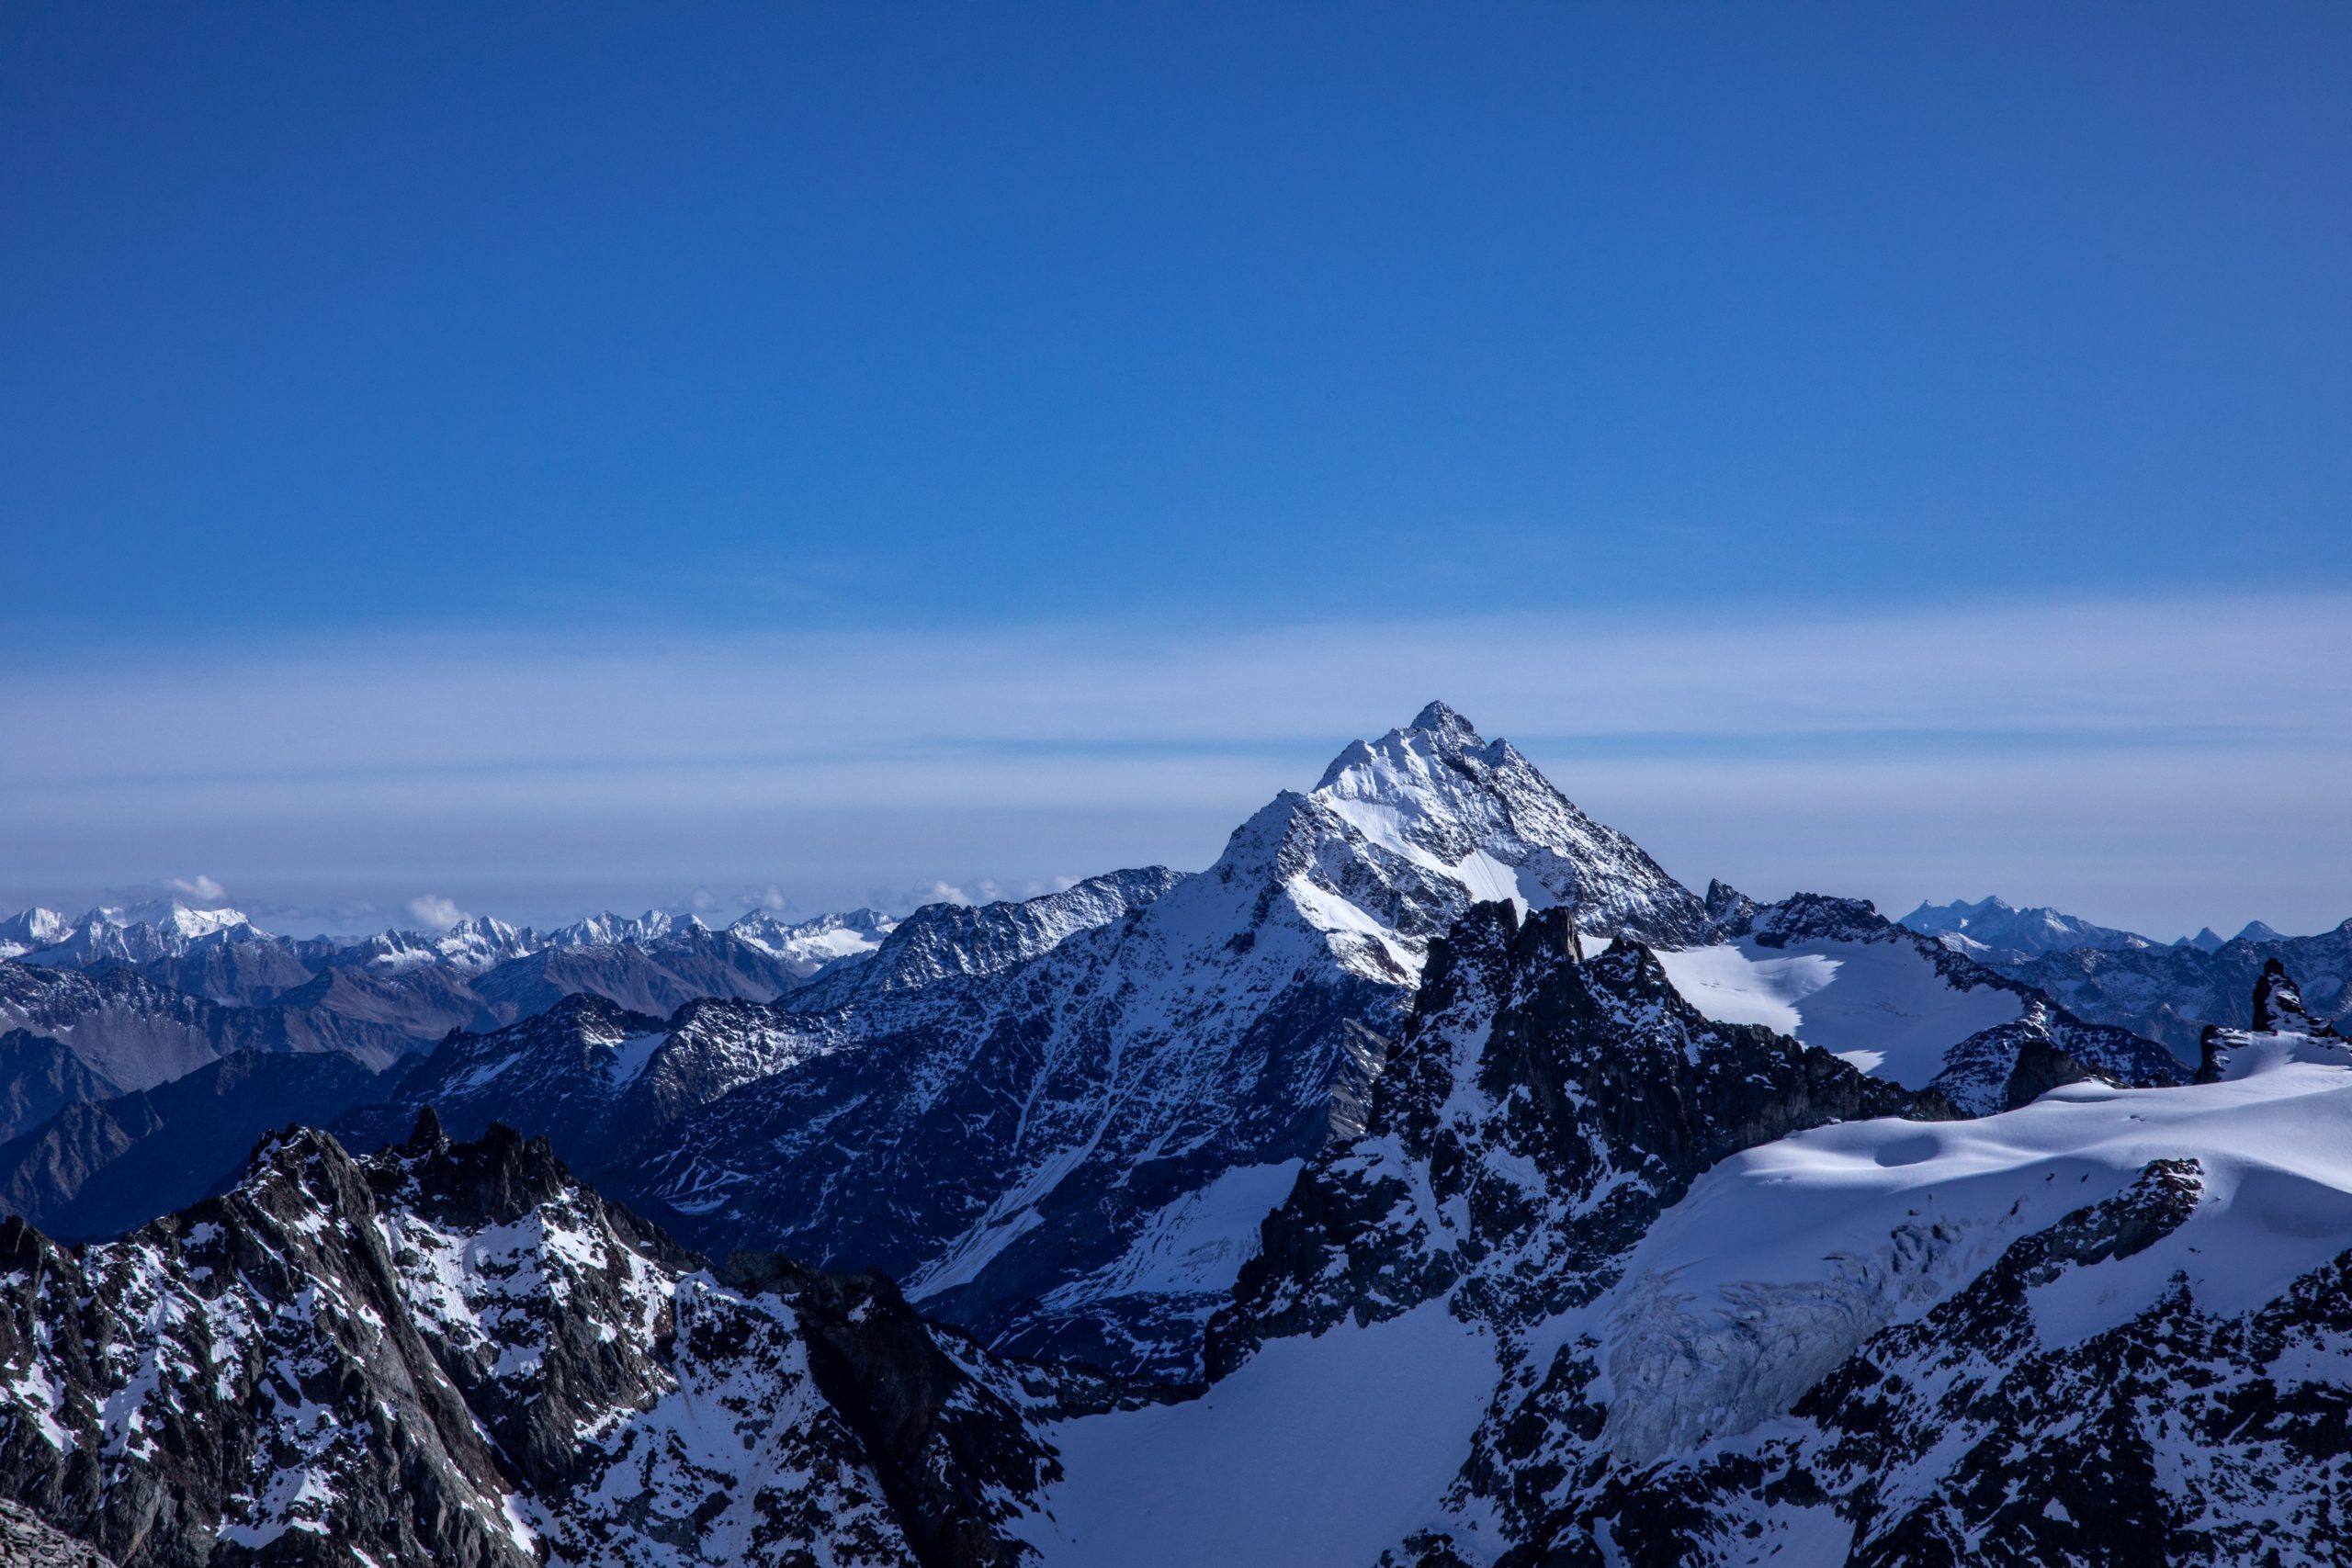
{"x": 1836, "y": 973}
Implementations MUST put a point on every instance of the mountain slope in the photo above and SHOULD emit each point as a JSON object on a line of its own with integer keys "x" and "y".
{"x": 29, "y": 931}
{"x": 127, "y": 1033}
{"x": 1071, "y": 1157}
{"x": 101, "y": 1168}
{"x": 2111, "y": 1327}
{"x": 38, "y": 1077}
{"x": 1836, "y": 974}
{"x": 140, "y": 1002}
{"x": 810, "y": 946}
{"x": 1995, "y": 925}
{"x": 2170, "y": 994}
{"x": 613, "y": 1082}
{"x": 455, "y": 1354}
{"x": 1538, "y": 1112}
{"x": 1607, "y": 1285}
{"x": 943, "y": 940}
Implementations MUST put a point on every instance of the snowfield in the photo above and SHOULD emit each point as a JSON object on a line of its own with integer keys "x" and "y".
{"x": 1782, "y": 1260}
{"x": 1317, "y": 1453}
{"x": 1880, "y": 1005}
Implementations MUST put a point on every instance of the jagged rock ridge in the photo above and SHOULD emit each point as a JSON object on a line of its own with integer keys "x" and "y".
{"x": 1071, "y": 1154}
{"x": 2107, "y": 1327}
{"x": 457, "y": 1354}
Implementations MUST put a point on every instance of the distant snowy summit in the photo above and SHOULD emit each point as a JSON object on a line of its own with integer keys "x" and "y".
{"x": 170, "y": 931}
{"x": 138, "y": 934}
{"x": 1996, "y": 924}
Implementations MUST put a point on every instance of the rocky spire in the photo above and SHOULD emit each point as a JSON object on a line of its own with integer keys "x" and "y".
{"x": 2278, "y": 1005}
{"x": 1448, "y": 726}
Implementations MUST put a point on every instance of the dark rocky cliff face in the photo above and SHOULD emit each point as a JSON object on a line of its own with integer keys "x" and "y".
{"x": 2172, "y": 994}
{"x": 1542, "y": 1114}
{"x": 1556, "y": 1104}
{"x": 455, "y": 1354}
{"x": 2182, "y": 1436}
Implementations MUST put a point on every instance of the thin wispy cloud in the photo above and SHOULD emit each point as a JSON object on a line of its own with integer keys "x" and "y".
{"x": 2066, "y": 748}
{"x": 434, "y": 913}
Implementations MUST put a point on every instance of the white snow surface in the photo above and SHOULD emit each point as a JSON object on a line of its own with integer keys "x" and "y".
{"x": 1316, "y": 1453}
{"x": 1880, "y": 1005}
{"x": 807, "y": 946}
{"x": 630, "y": 1056}
{"x": 29, "y": 931}
{"x": 1198, "y": 1242}
{"x": 1995, "y": 924}
{"x": 140, "y": 933}
{"x": 1479, "y": 817}
{"x": 1779, "y": 1261}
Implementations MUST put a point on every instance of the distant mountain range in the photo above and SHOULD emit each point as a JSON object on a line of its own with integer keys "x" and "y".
{"x": 2167, "y": 991}
{"x": 1992, "y": 928}
{"x": 1433, "y": 1179}
{"x": 121, "y": 999}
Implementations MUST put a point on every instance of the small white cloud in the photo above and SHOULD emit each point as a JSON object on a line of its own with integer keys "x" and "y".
{"x": 772, "y": 899}
{"x": 703, "y": 902}
{"x": 198, "y": 888}
{"x": 942, "y": 892}
{"x": 434, "y": 912}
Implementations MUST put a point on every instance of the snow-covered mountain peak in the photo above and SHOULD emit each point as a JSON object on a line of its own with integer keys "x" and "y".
{"x": 138, "y": 934}
{"x": 170, "y": 914}
{"x": 807, "y": 946}
{"x": 1439, "y": 719}
{"x": 1995, "y": 924}
{"x": 1403, "y": 834}
{"x": 470, "y": 947}
{"x": 29, "y": 931}
{"x": 607, "y": 929}
{"x": 1376, "y": 770}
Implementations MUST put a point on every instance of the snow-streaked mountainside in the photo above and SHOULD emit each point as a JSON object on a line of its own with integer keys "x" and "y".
{"x": 29, "y": 931}
{"x": 2171, "y": 994}
{"x": 225, "y": 957}
{"x": 457, "y": 1355}
{"x": 1599, "y": 1282}
{"x": 140, "y": 933}
{"x": 809, "y": 946}
{"x": 1835, "y": 973}
{"x": 1432, "y": 1180}
{"x": 123, "y": 999}
{"x": 1070, "y": 1154}
{"x": 1992, "y": 924}
{"x": 943, "y": 940}
{"x": 1539, "y": 1317}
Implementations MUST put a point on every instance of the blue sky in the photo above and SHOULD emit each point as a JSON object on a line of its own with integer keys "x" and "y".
{"x": 347, "y": 344}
